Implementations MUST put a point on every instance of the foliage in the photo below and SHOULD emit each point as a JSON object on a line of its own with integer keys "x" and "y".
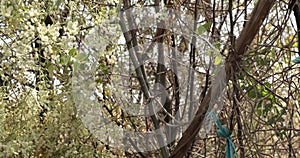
{"x": 38, "y": 49}
{"x": 41, "y": 47}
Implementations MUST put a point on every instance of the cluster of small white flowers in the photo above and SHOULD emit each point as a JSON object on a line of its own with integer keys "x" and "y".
{"x": 33, "y": 12}
{"x": 48, "y": 34}
{"x": 72, "y": 28}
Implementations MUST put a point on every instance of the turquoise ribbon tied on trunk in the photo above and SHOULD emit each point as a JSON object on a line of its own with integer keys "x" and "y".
{"x": 224, "y": 132}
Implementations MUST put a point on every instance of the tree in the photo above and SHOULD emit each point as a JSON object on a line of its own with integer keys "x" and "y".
{"x": 156, "y": 69}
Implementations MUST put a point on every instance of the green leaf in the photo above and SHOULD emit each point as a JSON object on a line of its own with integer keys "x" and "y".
{"x": 267, "y": 108}
{"x": 218, "y": 45}
{"x": 259, "y": 111}
{"x": 207, "y": 25}
{"x": 49, "y": 67}
{"x": 259, "y": 108}
{"x": 252, "y": 94}
{"x": 64, "y": 59}
{"x": 218, "y": 59}
{"x": 264, "y": 93}
{"x": 203, "y": 28}
{"x": 72, "y": 52}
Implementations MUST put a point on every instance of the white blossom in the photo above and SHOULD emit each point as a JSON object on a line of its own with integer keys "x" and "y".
{"x": 72, "y": 27}
{"x": 49, "y": 33}
{"x": 33, "y": 12}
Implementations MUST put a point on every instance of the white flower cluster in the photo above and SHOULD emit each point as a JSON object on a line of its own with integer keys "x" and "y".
{"x": 72, "y": 28}
{"x": 48, "y": 34}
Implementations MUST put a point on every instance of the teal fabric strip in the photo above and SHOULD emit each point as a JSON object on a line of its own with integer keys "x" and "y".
{"x": 224, "y": 132}
{"x": 297, "y": 60}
